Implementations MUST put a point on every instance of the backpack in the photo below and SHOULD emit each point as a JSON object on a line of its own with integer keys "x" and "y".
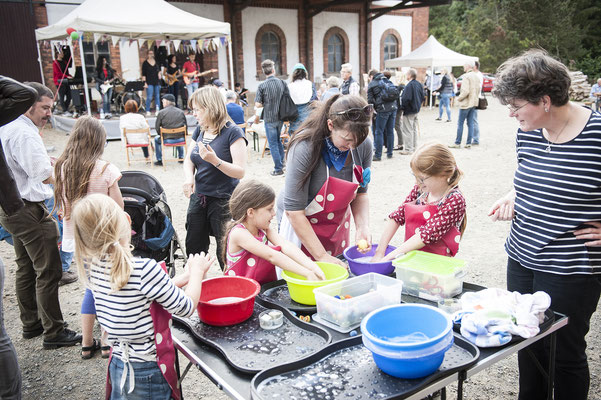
{"x": 287, "y": 110}
{"x": 389, "y": 92}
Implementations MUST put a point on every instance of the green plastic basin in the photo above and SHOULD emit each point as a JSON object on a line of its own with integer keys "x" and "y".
{"x": 301, "y": 290}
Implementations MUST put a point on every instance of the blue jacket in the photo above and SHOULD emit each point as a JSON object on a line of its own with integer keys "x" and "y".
{"x": 412, "y": 97}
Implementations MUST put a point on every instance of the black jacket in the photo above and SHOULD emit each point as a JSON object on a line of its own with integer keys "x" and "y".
{"x": 412, "y": 97}
{"x": 374, "y": 94}
{"x": 15, "y": 99}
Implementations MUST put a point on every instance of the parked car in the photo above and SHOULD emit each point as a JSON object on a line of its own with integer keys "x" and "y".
{"x": 487, "y": 86}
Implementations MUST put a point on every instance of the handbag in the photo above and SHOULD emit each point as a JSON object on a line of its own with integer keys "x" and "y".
{"x": 482, "y": 103}
{"x": 287, "y": 110}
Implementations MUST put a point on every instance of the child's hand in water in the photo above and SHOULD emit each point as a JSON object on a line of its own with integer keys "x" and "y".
{"x": 312, "y": 276}
{"x": 199, "y": 264}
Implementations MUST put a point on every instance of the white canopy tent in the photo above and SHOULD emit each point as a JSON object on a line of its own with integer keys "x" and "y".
{"x": 135, "y": 19}
{"x": 430, "y": 54}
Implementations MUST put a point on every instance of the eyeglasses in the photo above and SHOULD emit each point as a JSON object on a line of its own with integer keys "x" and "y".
{"x": 514, "y": 110}
{"x": 420, "y": 180}
{"x": 355, "y": 114}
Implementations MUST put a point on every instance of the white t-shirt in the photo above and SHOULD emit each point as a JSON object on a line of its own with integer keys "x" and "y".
{"x": 133, "y": 121}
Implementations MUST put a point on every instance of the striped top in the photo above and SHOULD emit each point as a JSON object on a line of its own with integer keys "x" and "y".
{"x": 557, "y": 192}
{"x": 125, "y": 314}
{"x": 269, "y": 93}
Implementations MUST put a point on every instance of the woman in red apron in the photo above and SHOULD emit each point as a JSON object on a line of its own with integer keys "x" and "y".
{"x": 434, "y": 211}
{"x": 134, "y": 300}
{"x": 247, "y": 240}
{"x": 328, "y": 169}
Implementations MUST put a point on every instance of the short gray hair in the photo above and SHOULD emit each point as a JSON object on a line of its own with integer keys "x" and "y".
{"x": 412, "y": 73}
{"x": 267, "y": 66}
{"x": 333, "y": 82}
{"x": 347, "y": 66}
{"x": 230, "y": 95}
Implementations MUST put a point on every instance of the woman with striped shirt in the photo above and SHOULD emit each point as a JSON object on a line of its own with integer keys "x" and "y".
{"x": 555, "y": 209}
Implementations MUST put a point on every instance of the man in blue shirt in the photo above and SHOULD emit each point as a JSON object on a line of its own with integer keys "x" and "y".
{"x": 596, "y": 94}
{"x": 235, "y": 111}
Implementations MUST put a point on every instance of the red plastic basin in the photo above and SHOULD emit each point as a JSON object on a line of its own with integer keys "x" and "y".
{"x": 226, "y": 288}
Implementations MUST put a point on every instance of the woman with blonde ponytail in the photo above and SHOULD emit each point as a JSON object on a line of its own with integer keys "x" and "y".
{"x": 80, "y": 171}
{"x": 434, "y": 212}
{"x": 135, "y": 299}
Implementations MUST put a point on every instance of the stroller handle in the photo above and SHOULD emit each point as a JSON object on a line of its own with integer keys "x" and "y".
{"x": 138, "y": 192}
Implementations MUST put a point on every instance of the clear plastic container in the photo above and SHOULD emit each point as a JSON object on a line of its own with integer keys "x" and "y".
{"x": 367, "y": 293}
{"x": 271, "y": 319}
{"x": 430, "y": 276}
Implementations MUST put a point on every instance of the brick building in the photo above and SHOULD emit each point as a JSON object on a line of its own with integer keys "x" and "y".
{"x": 318, "y": 33}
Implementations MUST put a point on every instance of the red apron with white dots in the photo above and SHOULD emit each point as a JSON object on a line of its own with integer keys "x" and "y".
{"x": 416, "y": 215}
{"x": 254, "y": 267}
{"x": 161, "y": 320}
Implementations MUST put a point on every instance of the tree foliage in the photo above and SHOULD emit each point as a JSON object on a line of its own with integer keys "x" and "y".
{"x": 495, "y": 30}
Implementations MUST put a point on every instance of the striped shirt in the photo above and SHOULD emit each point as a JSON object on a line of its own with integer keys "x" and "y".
{"x": 269, "y": 94}
{"x": 125, "y": 314}
{"x": 557, "y": 192}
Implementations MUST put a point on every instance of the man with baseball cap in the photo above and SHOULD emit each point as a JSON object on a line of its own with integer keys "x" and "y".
{"x": 170, "y": 117}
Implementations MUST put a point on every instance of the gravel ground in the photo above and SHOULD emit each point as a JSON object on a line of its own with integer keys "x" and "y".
{"x": 56, "y": 374}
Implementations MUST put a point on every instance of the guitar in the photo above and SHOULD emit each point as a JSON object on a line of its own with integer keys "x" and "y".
{"x": 104, "y": 88}
{"x": 188, "y": 76}
{"x": 172, "y": 78}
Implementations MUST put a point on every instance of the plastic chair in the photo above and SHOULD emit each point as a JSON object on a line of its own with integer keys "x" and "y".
{"x": 284, "y": 136}
{"x": 175, "y": 133}
{"x": 129, "y": 146}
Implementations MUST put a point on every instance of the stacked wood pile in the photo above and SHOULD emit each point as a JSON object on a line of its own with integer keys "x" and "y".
{"x": 580, "y": 88}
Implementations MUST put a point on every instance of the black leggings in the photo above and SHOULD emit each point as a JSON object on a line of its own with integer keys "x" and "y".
{"x": 575, "y": 296}
{"x": 206, "y": 217}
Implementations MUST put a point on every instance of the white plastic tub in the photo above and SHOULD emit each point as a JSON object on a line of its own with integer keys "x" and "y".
{"x": 368, "y": 292}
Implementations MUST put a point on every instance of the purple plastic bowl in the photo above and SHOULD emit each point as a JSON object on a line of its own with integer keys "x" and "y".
{"x": 360, "y": 267}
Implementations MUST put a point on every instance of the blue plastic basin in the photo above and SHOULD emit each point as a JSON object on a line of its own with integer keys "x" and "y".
{"x": 407, "y": 340}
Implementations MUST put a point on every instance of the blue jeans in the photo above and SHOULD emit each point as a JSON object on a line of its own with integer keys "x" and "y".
{"x": 149, "y": 381}
{"x": 106, "y": 99}
{"x": 476, "y": 136}
{"x": 191, "y": 88}
{"x": 384, "y": 127}
{"x": 445, "y": 101}
{"x": 303, "y": 113}
{"x": 272, "y": 131}
{"x": 465, "y": 114}
{"x": 66, "y": 257}
{"x": 159, "y": 151}
{"x": 153, "y": 91}
{"x": 577, "y": 297}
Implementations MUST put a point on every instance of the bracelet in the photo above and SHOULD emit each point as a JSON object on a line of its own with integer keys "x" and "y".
{"x": 219, "y": 164}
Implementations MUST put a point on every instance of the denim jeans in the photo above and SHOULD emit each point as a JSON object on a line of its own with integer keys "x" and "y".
{"x": 191, "y": 88}
{"x": 476, "y": 135}
{"x": 159, "y": 151}
{"x": 153, "y": 91}
{"x": 445, "y": 101}
{"x": 149, "y": 381}
{"x": 575, "y": 296}
{"x": 303, "y": 113}
{"x": 384, "y": 127}
{"x": 465, "y": 114}
{"x": 66, "y": 257}
{"x": 272, "y": 131}
{"x": 106, "y": 99}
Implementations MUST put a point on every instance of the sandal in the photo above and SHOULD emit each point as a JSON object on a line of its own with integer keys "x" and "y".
{"x": 106, "y": 351}
{"x": 91, "y": 349}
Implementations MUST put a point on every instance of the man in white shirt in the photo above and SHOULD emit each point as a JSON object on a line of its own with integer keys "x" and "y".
{"x": 596, "y": 94}
{"x": 34, "y": 232}
{"x": 349, "y": 85}
{"x": 476, "y": 138}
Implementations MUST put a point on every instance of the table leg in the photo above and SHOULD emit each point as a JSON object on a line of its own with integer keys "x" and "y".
{"x": 179, "y": 381}
{"x": 461, "y": 378}
{"x": 551, "y": 375}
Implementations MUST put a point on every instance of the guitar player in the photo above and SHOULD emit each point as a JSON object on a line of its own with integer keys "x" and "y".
{"x": 192, "y": 75}
{"x": 104, "y": 76}
{"x": 172, "y": 73}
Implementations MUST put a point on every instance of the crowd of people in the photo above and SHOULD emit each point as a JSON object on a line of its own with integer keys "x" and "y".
{"x": 554, "y": 208}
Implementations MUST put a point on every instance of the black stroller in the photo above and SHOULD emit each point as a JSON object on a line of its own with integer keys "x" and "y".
{"x": 153, "y": 235}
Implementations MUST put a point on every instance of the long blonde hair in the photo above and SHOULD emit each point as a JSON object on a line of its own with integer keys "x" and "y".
{"x": 435, "y": 159}
{"x": 211, "y": 99}
{"x": 102, "y": 234}
{"x": 74, "y": 167}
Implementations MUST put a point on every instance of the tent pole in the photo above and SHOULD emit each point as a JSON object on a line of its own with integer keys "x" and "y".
{"x": 40, "y": 62}
{"x": 229, "y": 52}
{"x": 431, "y": 82}
{"x": 85, "y": 75}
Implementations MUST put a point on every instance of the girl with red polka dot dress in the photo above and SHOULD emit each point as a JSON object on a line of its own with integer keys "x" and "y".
{"x": 252, "y": 248}
{"x": 434, "y": 212}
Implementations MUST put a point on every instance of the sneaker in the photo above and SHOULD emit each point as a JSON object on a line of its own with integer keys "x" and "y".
{"x": 276, "y": 173}
{"x": 454, "y": 146}
{"x": 66, "y": 338}
{"x": 448, "y": 120}
{"x": 67, "y": 278}
{"x": 467, "y": 146}
{"x": 389, "y": 156}
{"x": 399, "y": 148}
{"x": 438, "y": 119}
{"x": 159, "y": 163}
{"x": 475, "y": 144}
{"x": 148, "y": 113}
{"x": 33, "y": 333}
{"x": 180, "y": 161}
{"x": 108, "y": 116}
{"x": 405, "y": 153}
{"x": 376, "y": 159}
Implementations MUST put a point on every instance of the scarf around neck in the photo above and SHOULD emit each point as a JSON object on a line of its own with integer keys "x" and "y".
{"x": 334, "y": 156}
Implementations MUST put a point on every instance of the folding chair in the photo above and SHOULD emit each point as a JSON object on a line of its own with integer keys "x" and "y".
{"x": 284, "y": 136}
{"x": 176, "y": 133}
{"x": 137, "y": 138}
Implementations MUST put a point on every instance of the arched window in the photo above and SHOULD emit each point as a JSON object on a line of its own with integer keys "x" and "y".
{"x": 270, "y": 49}
{"x": 335, "y": 53}
{"x": 391, "y": 46}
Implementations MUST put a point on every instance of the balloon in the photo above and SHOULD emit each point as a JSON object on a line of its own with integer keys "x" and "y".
{"x": 70, "y": 30}
{"x": 74, "y": 35}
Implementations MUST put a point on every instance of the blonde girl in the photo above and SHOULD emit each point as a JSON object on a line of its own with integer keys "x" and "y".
{"x": 434, "y": 211}
{"x": 80, "y": 171}
{"x": 135, "y": 300}
{"x": 252, "y": 247}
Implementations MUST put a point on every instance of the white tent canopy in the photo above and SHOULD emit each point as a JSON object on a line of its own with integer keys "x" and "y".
{"x": 430, "y": 54}
{"x": 135, "y": 19}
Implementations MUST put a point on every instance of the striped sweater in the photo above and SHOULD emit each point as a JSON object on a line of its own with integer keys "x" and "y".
{"x": 125, "y": 314}
{"x": 557, "y": 192}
